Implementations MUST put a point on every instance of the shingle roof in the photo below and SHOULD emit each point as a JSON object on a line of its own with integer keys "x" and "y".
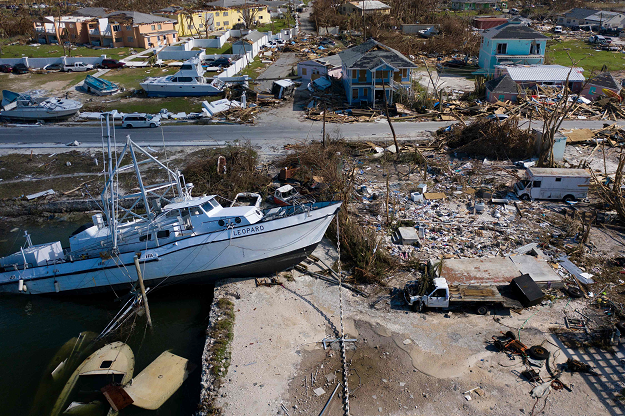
{"x": 579, "y": 13}
{"x": 513, "y": 30}
{"x": 502, "y": 85}
{"x": 372, "y": 54}
{"x": 605, "y": 80}
{"x": 543, "y": 73}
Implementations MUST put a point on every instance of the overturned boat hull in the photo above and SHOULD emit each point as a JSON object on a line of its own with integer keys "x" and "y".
{"x": 263, "y": 248}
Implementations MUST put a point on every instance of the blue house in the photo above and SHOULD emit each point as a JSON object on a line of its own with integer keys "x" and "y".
{"x": 509, "y": 44}
{"x": 370, "y": 68}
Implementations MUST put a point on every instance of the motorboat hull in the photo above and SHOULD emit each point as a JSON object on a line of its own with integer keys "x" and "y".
{"x": 180, "y": 90}
{"x": 33, "y": 114}
{"x": 253, "y": 250}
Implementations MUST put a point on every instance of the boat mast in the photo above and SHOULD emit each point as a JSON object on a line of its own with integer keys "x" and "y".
{"x": 111, "y": 213}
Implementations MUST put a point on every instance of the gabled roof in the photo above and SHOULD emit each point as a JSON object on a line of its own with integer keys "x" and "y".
{"x": 513, "y": 30}
{"x": 372, "y": 54}
{"x": 605, "y": 80}
{"x": 578, "y": 13}
{"x": 543, "y": 73}
{"x": 370, "y": 5}
{"x": 502, "y": 85}
{"x": 602, "y": 16}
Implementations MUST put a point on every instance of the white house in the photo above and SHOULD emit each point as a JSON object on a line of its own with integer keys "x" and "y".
{"x": 319, "y": 67}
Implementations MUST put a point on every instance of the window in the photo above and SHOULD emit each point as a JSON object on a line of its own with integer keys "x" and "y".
{"x": 116, "y": 28}
{"x": 153, "y": 27}
{"x": 558, "y": 179}
{"x": 145, "y": 237}
{"x": 535, "y": 49}
{"x": 128, "y": 27}
{"x": 160, "y": 27}
{"x": 162, "y": 234}
{"x": 131, "y": 39}
{"x": 225, "y": 14}
{"x": 173, "y": 36}
{"x": 201, "y": 26}
{"x": 354, "y": 74}
{"x": 536, "y": 184}
{"x": 226, "y": 23}
{"x": 195, "y": 211}
{"x": 158, "y": 38}
{"x": 217, "y": 24}
{"x": 216, "y": 13}
{"x": 260, "y": 18}
{"x": 439, "y": 293}
{"x": 502, "y": 48}
{"x": 355, "y": 93}
{"x": 119, "y": 40}
{"x": 304, "y": 72}
{"x": 207, "y": 206}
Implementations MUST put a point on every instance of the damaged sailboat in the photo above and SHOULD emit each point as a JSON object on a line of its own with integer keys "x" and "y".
{"x": 176, "y": 237}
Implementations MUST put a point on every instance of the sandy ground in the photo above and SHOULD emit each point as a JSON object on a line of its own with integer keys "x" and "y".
{"x": 449, "y": 81}
{"x": 402, "y": 363}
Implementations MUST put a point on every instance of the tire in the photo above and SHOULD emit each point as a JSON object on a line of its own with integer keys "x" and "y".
{"x": 574, "y": 292}
{"x": 510, "y": 335}
{"x": 69, "y": 70}
{"x": 482, "y": 310}
{"x": 568, "y": 198}
{"x": 128, "y": 126}
{"x": 499, "y": 345}
{"x": 525, "y": 197}
{"x": 415, "y": 307}
{"x": 538, "y": 353}
{"x": 152, "y": 125}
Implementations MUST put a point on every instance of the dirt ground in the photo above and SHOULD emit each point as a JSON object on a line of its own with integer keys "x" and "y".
{"x": 402, "y": 363}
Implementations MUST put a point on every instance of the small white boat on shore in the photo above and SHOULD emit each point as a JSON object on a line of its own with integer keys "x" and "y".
{"x": 16, "y": 106}
{"x": 189, "y": 81}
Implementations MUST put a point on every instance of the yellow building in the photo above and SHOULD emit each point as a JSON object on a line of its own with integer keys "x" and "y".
{"x": 188, "y": 23}
{"x": 227, "y": 13}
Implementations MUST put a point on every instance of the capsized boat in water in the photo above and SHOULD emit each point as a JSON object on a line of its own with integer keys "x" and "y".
{"x": 112, "y": 364}
{"x": 177, "y": 237}
{"x": 16, "y": 106}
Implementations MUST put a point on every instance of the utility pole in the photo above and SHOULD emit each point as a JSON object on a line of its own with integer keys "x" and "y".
{"x": 143, "y": 295}
{"x": 364, "y": 24}
{"x": 325, "y": 109}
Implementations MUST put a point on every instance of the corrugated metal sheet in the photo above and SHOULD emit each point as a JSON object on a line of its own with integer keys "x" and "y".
{"x": 544, "y": 73}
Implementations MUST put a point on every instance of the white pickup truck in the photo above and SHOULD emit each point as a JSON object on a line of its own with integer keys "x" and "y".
{"x": 438, "y": 294}
{"x": 77, "y": 67}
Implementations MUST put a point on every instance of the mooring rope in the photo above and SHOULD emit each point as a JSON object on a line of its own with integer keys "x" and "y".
{"x": 343, "y": 355}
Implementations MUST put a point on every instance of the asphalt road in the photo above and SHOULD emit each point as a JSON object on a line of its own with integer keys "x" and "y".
{"x": 266, "y": 133}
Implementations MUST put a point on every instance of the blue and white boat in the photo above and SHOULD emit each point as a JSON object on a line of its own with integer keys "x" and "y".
{"x": 99, "y": 86}
{"x": 189, "y": 81}
{"x": 175, "y": 236}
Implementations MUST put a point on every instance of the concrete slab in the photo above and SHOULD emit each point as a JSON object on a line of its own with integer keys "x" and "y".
{"x": 489, "y": 270}
{"x": 408, "y": 236}
{"x": 539, "y": 270}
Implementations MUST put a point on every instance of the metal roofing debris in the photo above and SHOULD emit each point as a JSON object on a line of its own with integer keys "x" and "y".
{"x": 605, "y": 80}
{"x": 219, "y": 106}
{"x": 585, "y": 278}
{"x": 40, "y": 194}
{"x": 502, "y": 85}
{"x": 543, "y": 73}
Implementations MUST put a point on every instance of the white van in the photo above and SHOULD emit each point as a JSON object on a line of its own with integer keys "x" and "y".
{"x": 557, "y": 29}
{"x": 140, "y": 120}
{"x": 553, "y": 183}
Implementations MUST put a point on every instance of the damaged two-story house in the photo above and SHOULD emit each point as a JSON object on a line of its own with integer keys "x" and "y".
{"x": 370, "y": 68}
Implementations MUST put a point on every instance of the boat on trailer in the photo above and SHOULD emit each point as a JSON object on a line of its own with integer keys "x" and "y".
{"x": 176, "y": 237}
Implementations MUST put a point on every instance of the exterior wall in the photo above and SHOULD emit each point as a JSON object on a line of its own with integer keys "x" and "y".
{"x": 227, "y": 18}
{"x": 156, "y": 34}
{"x": 491, "y": 98}
{"x": 515, "y": 47}
{"x": 306, "y": 69}
{"x": 568, "y": 22}
{"x": 362, "y": 85}
{"x": 593, "y": 92}
{"x": 488, "y": 23}
{"x": 190, "y": 24}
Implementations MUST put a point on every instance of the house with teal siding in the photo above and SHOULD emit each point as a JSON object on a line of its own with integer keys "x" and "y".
{"x": 371, "y": 68}
{"x": 510, "y": 44}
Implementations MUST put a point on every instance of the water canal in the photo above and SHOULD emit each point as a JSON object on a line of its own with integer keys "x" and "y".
{"x": 33, "y": 328}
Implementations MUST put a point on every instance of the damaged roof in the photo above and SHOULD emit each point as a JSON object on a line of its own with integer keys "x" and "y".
{"x": 513, "y": 30}
{"x": 371, "y": 54}
{"x": 502, "y": 85}
{"x": 605, "y": 80}
{"x": 137, "y": 17}
{"x": 578, "y": 13}
{"x": 543, "y": 73}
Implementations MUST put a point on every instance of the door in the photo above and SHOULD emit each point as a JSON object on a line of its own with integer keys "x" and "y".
{"x": 535, "y": 191}
{"x": 438, "y": 299}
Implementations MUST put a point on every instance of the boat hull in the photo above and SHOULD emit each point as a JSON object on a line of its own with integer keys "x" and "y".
{"x": 37, "y": 114}
{"x": 250, "y": 251}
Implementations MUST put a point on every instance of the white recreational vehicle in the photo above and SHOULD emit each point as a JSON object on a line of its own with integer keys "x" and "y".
{"x": 553, "y": 183}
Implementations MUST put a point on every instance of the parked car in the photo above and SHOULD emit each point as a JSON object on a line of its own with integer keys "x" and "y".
{"x": 20, "y": 69}
{"x": 140, "y": 120}
{"x": 222, "y": 61}
{"x": 77, "y": 67}
{"x": 53, "y": 67}
{"x": 111, "y": 64}
{"x": 6, "y": 68}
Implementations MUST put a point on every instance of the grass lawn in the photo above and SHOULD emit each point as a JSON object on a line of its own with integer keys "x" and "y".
{"x": 591, "y": 60}
{"x": 54, "y": 81}
{"x": 226, "y": 49}
{"x": 154, "y": 105}
{"x": 274, "y": 27}
{"x": 50, "y": 51}
{"x": 131, "y": 77}
{"x": 251, "y": 68}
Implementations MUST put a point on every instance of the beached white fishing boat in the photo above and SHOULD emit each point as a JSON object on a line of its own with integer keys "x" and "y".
{"x": 177, "y": 237}
{"x": 16, "y": 106}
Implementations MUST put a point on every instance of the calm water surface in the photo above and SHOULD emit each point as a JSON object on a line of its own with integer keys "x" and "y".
{"x": 32, "y": 329}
